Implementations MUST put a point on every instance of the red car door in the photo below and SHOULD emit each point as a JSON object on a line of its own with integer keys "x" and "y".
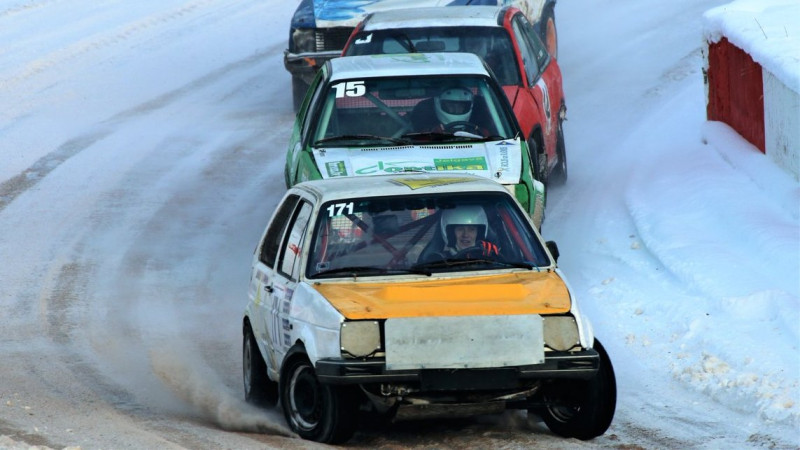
{"x": 538, "y": 100}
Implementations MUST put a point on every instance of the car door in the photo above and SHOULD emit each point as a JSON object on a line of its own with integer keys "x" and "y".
{"x": 285, "y": 277}
{"x": 262, "y": 280}
{"x": 527, "y": 107}
{"x": 298, "y": 142}
{"x": 543, "y": 89}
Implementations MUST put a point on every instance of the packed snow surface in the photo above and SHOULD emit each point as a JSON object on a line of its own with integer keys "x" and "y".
{"x": 141, "y": 154}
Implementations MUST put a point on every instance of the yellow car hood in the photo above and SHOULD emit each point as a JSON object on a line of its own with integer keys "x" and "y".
{"x": 514, "y": 293}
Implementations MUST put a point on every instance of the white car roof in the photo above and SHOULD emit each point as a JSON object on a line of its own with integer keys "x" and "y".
{"x": 397, "y": 184}
{"x": 374, "y": 66}
{"x": 464, "y": 16}
{"x": 348, "y": 14}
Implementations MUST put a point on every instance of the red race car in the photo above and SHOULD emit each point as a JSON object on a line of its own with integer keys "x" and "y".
{"x": 507, "y": 41}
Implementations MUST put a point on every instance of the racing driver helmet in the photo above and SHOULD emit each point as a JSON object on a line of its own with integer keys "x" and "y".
{"x": 464, "y": 215}
{"x": 453, "y": 105}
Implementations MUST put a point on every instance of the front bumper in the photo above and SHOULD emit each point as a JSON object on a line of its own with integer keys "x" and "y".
{"x": 557, "y": 365}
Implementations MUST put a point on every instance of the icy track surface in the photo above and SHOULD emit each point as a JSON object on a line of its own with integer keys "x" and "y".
{"x": 141, "y": 154}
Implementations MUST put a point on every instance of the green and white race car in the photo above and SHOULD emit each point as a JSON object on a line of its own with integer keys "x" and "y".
{"x": 420, "y": 112}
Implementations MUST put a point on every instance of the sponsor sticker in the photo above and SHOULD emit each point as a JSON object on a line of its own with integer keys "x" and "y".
{"x": 336, "y": 169}
{"x": 396, "y": 167}
{"x": 474, "y": 163}
{"x": 504, "y": 161}
{"x": 421, "y": 183}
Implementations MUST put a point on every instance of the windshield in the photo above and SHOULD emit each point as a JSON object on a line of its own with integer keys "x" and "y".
{"x": 412, "y": 110}
{"x": 422, "y": 234}
{"x": 490, "y": 43}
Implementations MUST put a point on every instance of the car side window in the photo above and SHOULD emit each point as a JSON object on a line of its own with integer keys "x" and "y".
{"x": 271, "y": 244}
{"x": 529, "y": 60}
{"x": 289, "y": 263}
{"x": 536, "y": 44}
{"x": 307, "y": 109}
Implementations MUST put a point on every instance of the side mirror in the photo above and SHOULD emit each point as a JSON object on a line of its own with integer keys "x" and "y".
{"x": 553, "y": 248}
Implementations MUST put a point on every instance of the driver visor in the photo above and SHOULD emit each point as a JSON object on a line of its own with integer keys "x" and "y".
{"x": 458, "y": 107}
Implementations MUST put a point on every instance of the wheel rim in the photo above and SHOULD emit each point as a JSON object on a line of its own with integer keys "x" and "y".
{"x": 565, "y": 402}
{"x": 304, "y": 398}
{"x": 563, "y": 413}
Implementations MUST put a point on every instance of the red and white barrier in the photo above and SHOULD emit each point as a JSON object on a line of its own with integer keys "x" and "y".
{"x": 752, "y": 50}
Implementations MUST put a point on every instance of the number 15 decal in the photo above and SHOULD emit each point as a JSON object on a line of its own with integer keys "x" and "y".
{"x": 350, "y": 89}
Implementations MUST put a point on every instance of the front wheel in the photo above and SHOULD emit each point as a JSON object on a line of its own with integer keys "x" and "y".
{"x": 538, "y": 161}
{"x": 316, "y": 411}
{"x": 582, "y": 409}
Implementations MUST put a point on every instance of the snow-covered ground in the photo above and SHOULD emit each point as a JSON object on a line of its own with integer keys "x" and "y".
{"x": 141, "y": 153}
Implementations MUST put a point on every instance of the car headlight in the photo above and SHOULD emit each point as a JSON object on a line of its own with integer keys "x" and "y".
{"x": 360, "y": 338}
{"x": 304, "y": 40}
{"x": 561, "y": 333}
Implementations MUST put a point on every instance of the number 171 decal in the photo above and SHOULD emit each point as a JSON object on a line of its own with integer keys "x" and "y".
{"x": 337, "y": 209}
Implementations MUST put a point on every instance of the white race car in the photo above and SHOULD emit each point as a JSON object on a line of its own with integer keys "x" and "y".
{"x": 411, "y": 296}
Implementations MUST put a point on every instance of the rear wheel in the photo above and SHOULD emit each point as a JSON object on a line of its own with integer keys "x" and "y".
{"x": 299, "y": 89}
{"x": 582, "y": 409}
{"x": 258, "y": 388}
{"x": 316, "y": 411}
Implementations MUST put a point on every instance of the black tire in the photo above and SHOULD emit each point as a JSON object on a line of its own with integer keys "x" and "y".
{"x": 299, "y": 89}
{"x": 538, "y": 161}
{"x": 258, "y": 388}
{"x": 316, "y": 411}
{"x": 582, "y": 409}
{"x": 560, "y": 173}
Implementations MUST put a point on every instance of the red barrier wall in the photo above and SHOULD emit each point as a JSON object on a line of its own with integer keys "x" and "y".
{"x": 736, "y": 91}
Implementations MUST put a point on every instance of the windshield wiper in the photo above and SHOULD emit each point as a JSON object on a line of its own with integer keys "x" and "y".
{"x": 355, "y": 270}
{"x": 362, "y": 137}
{"x": 520, "y": 264}
{"x": 464, "y": 262}
{"x": 412, "y": 270}
{"x": 439, "y": 136}
{"x": 430, "y": 136}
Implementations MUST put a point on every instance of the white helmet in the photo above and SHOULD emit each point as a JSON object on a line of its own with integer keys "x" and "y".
{"x": 463, "y": 215}
{"x": 453, "y": 105}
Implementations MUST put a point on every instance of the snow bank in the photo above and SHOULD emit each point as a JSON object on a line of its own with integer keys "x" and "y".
{"x": 767, "y": 31}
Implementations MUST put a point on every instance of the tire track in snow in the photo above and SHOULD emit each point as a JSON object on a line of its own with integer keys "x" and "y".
{"x": 68, "y": 293}
{"x": 175, "y": 363}
{"x": 68, "y": 54}
{"x": 15, "y": 186}
{"x": 27, "y": 6}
